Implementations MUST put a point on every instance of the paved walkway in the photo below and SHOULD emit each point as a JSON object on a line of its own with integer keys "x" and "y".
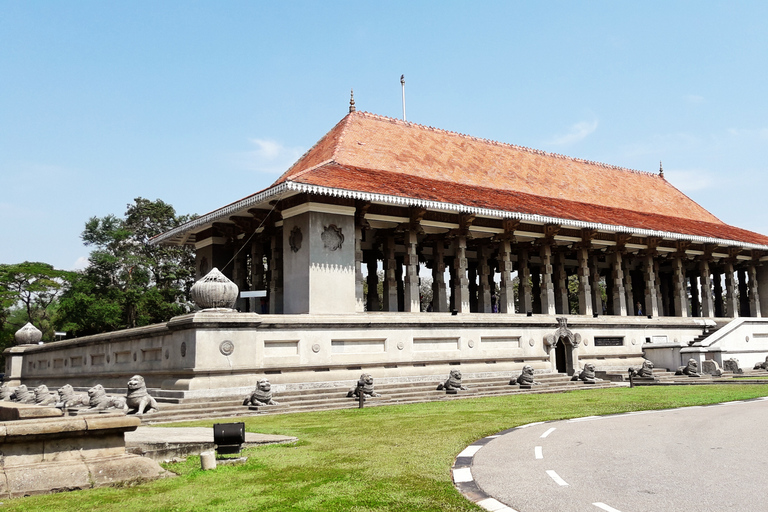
{"x": 695, "y": 458}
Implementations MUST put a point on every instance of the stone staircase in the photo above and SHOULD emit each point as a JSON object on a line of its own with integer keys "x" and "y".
{"x": 336, "y": 398}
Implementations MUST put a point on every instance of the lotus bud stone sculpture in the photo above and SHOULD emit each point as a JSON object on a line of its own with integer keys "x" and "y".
{"x": 28, "y": 335}
{"x": 214, "y": 291}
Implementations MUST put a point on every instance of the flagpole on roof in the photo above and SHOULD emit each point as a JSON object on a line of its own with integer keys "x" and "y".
{"x": 402, "y": 83}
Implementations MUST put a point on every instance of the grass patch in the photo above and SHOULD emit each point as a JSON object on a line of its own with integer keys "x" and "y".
{"x": 394, "y": 458}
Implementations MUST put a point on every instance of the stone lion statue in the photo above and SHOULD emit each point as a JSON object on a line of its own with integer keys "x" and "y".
{"x": 587, "y": 374}
{"x": 732, "y": 365}
{"x": 645, "y": 372}
{"x": 525, "y": 378}
{"x": 262, "y": 395}
{"x": 44, "y": 397}
{"x": 365, "y": 383}
{"x": 691, "y": 369}
{"x": 23, "y": 395}
{"x": 453, "y": 383}
{"x": 138, "y": 400}
{"x": 68, "y": 398}
{"x": 98, "y": 400}
{"x": 761, "y": 366}
{"x": 5, "y": 393}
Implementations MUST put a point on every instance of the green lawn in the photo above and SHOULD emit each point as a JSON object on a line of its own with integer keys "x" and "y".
{"x": 394, "y": 458}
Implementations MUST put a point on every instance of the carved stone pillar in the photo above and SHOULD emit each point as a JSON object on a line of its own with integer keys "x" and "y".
{"x": 412, "y": 300}
{"x": 276, "y": 274}
{"x": 460, "y": 290}
{"x": 731, "y": 298}
{"x": 679, "y": 288}
{"x": 390, "y": 275}
{"x": 439, "y": 291}
{"x": 754, "y": 297}
{"x": 743, "y": 293}
{"x": 506, "y": 293}
{"x": 619, "y": 296}
{"x": 629, "y": 297}
{"x": 257, "y": 273}
{"x": 597, "y": 299}
{"x": 659, "y": 295}
{"x": 718, "y": 286}
{"x": 524, "y": 273}
{"x": 707, "y": 304}
{"x": 484, "y": 272}
{"x": 585, "y": 291}
{"x": 372, "y": 302}
{"x": 400, "y": 283}
{"x": 695, "y": 303}
{"x": 359, "y": 278}
{"x": 472, "y": 285}
{"x": 649, "y": 276}
{"x": 547, "y": 288}
{"x": 562, "y": 306}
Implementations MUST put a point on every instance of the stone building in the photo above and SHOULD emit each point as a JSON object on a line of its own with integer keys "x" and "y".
{"x": 502, "y": 231}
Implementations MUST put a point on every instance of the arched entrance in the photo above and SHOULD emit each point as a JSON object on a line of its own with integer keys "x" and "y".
{"x": 562, "y": 344}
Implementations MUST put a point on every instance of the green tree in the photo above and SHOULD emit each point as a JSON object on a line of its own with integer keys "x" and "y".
{"x": 128, "y": 282}
{"x": 29, "y": 293}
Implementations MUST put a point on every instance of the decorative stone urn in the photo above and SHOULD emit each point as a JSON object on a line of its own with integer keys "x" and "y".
{"x": 28, "y": 335}
{"x": 214, "y": 291}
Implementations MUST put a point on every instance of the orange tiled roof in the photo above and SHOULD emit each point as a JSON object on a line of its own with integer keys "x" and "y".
{"x": 452, "y": 162}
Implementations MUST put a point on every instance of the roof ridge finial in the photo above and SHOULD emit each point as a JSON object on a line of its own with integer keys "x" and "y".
{"x": 352, "y": 101}
{"x": 661, "y": 170}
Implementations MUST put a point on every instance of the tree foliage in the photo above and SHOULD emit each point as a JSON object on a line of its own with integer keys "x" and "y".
{"x": 129, "y": 282}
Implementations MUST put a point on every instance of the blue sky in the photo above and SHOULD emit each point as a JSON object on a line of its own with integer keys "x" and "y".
{"x": 202, "y": 103}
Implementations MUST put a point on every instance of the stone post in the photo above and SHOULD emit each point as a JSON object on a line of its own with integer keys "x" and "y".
{"x": 743, "y": 293}
{"x": 695, "y": 302}
{"x": 390, "y": 275}
{"x": 439, "y": 291}
{"x": 754, "y": 297}
{"x": 562, "y": 306}
{"x": 707, "y": 304}
{"x": 412, "y": 300}
{"x": 524, "y": 274}
{"x": 506, "y": 293}
{"x": 547, "y": 288}
{"x": 484, "y": 272}
{"x": 718, "y": 285}
{"x": 619, "y": 296}
{"x": 731, "y": 299}
{"x": 461, "y": 283}
{"x": 679, "y": 289}
{"x": 651, "y": 299}
{"x": 597, "y": 299}
{"x": 585, "y": 291}
{"x": 630, "y": 299}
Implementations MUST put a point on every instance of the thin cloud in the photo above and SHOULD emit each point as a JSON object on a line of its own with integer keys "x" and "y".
{"x": 268, "y": 156}
{"x": 747, "y": 133}
{"x": 693, "y": 98}
{"x": 80, "y": 263}
{"x": 690, "y": 180}
{"x": 577, "y": 132}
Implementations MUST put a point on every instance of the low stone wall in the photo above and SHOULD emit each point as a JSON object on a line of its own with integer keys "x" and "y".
{"x": 53, "y": 454}
{"x": 207, "y": 353}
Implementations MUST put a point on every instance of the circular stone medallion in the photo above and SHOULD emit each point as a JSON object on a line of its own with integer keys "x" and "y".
{"x": 226, "y": 348}
{"x": 586, "y": 341}
{"x": 471, "y": 343}
{"x": 746, "y": 338}
{"x": 315, "y": 348}
{"x": 400, "y": 345}
{"x": 634, "y": 341}
{"x": 531, "y": 342}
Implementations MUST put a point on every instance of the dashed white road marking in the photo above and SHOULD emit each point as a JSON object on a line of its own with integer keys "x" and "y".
{"x": 537, "y": 452}
{"x": 606, "y": 507}
{"x": 545, "y": 434}
{"x": 462, "y": 475}
{"x": 554, "y": 476}
{"x": 470, "y": 451}
{"x": 492, "y": 505}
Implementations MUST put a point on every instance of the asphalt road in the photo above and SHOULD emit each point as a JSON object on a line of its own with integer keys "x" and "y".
{"x": 710, "y": 458}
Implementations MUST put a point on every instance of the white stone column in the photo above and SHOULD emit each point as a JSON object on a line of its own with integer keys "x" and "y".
{"x": 731, "y": 298}
{"x": 524, "y": 273}
{"x": 484, "y": 273}
{"x": 439, "y": 290}
{"x": 547, "y": 289}
{"x": 619, "y": 296}
{"x": 390, "y": 275}
{"x": 585, "y": 291}
{"x": 460, "y": 290}
{"x": 754, "y": 295}
{"x": 597, "y": 299}
{"x": 412, "y": 302}
{"x": 707, "y": 302}
{"x": 651, "y": 299}
{"x": 679, "y": 288}
{"x": 506, "y": 292}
